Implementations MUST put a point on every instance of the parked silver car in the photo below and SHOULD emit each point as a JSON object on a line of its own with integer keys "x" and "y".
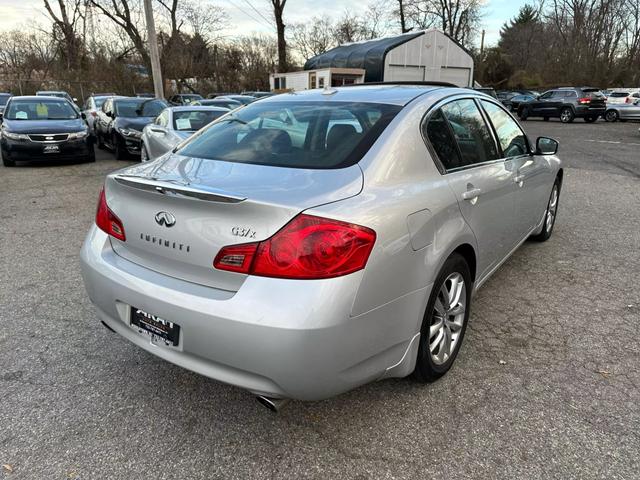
{"x": 303, "y": 269}
{"x": 623, "y": 111}
{"x": 91, "y": 107}
{"x": 174, "y": 125}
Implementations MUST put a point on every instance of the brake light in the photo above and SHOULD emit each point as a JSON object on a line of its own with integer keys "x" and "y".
{"x": 308, "y": 247}
{"x": 628, "y": 100}
{"x": 107, "y": 221}
{"x": 584, "y": 100}
{"x": 94, "y": 114}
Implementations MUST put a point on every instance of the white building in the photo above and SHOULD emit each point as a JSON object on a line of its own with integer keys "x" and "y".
{"x": 422, "y": 56}
{"x": 319, "y": 78}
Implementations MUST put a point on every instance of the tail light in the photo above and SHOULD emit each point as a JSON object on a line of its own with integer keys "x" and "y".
{"x": 94, "y": 114}
{"x": 585, "y": 100}
{"x": 308, "y": 247}
{"x": 628, "y": 100}
{"x": 107, "y": 221}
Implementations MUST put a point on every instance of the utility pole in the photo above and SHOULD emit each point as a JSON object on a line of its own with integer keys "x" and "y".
{"x": 153, "y": 50}
{"x": 482, "y": 44}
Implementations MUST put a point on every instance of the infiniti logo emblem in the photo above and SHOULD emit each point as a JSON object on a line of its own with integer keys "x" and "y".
{"x": 166, "y": 219}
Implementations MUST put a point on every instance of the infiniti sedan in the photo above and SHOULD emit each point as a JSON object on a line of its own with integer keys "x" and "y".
{"x": 174, "y": 125}
{"x": 41, "y": 128}
{"x": 313, "y": 242}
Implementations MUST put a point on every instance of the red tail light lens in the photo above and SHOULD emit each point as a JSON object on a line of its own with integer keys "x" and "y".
{"x": 107, "y": 221}
{"x": 308, "y": 247}
{"x": 94, "y": 114}
{"x": 584, "y": 100}
{"x": 628, "y": 100}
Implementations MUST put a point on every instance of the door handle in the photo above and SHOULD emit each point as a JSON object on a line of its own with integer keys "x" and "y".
{"x": 471, "y": 194}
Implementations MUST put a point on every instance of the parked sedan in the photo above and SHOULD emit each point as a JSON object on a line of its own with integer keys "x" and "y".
{"x": 120, "y": 122}
{"x": 623, "y": 111}
{"x": 59, "y": 94}
{"x": 38, "y": 128}
{"x": 514, "y": 102}
{"x": 243, "y": 99}
{"x": 92, "y": 106}
{"x": 303, "y": 270}
{"x": 185, "y": 98}
{"x": 174, "y": 125}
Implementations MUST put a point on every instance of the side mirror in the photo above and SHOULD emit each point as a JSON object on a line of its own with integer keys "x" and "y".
{"x": 546, "y": 146}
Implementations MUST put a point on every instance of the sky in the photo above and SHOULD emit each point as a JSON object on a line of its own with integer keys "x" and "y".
{"x": 244, "y": 19}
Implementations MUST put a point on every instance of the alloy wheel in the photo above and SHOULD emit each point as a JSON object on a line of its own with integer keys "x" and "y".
{"x": 447, "y": 319}
{"x": 565, "y": 115}
{"x": 552, "y": 209}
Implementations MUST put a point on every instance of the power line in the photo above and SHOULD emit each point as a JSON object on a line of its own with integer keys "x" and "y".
{"x": 257, "y": 20}
{"x": 257, "y": 11}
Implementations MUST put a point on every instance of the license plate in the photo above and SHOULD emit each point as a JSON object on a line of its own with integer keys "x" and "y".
{"x": 159, "y": 330}
{"x": 51, "y": 149}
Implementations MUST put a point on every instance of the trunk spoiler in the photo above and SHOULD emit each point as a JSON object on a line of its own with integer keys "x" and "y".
{"x": 177, "y": 189}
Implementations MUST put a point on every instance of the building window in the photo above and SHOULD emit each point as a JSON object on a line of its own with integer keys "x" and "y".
{"x": 321, "y": 82}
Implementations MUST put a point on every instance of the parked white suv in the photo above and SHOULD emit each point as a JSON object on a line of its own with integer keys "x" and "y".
{"x": 623, "y": 96}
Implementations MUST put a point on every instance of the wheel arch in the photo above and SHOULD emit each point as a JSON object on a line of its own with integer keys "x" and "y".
{"x": 469, "y": 254}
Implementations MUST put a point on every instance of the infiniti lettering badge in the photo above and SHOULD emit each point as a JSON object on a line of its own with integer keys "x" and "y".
{"x": 166, "y": 219}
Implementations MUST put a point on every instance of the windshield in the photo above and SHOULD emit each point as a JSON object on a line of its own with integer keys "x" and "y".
{"x": 619, "y": 94}
{"x": 313, "y": 135}
{"x": 99, "y": 101}
{"x": 190, "y": 121}
{"x": 138, "y": 107}
{"x": 40, "y": 110}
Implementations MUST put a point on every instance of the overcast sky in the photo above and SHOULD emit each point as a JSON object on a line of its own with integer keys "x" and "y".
{"x": 244, "y": 20}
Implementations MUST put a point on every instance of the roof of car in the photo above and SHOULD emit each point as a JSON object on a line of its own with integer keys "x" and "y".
{"x": 50, "y": 91}
{"x": 192, "y": 108}
{"x": 37, "y": 97}
{"x": 395, "y": 94}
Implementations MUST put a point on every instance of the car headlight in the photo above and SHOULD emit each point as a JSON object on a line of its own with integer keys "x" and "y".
{"x": 78, "y": 135}
{"x": 14, "y": 136}
{"x": 130, "y": 133}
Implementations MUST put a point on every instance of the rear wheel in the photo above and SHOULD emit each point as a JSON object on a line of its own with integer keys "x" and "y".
{"x": 567, "y": 115}
{"x": 590, "y": 119}
{"x": 611, "y": 116}
{"x": 445, "y": 320}
{"x": 550, "y": 214}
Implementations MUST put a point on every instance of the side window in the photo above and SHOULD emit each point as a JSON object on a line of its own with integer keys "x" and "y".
{"x": 512, "y": 139}
{"x": 558, "y": 94}
{"x": 470, "y": 131}
{"x": 441, "y": 138}
{"x": 570, "y": 94}
{"x": 546, "y": 95}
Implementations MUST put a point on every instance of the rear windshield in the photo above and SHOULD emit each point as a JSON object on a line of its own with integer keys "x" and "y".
{"x": 4, "y": 99}
{"x": 139, "y": 107}
{"x": 315, "y": 135}
{"x": 192, "y": 120}
{"x": 40, "y": 110}
{"x": 99, "y": 101}
{"x": 619, "y": 94}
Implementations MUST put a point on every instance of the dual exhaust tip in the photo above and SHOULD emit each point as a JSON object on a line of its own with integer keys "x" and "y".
{"x": 273, "y": 404}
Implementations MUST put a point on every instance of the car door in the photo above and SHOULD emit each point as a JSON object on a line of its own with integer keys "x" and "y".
{"x": 531, "y": 171}
{"x": 483, "y": 186}
{"x": 541, "y": 104}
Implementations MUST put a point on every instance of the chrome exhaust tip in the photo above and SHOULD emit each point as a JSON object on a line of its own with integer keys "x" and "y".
{"x": 273, "y": 404}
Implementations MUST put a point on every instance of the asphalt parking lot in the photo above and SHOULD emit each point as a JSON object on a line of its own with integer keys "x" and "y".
{"x": 546, "y": 386}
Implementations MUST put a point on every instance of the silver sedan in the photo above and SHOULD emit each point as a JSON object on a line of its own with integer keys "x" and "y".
{"x": 312, "y": 242}
{"x": 174, "y": 125}
{"x": 623, "y": 111}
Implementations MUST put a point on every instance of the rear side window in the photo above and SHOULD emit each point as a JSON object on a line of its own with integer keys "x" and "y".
{"x": 511, "y": 137}
{"x": 440, "y": 136}
{"x": 619, "y": 94}
{"x": 314, "y": 135}
{"x": 472, "y": 134}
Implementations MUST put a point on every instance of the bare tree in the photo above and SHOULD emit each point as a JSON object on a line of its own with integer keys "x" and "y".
{"x": 278, "y": 9}
{"x": 312, "y": 38}
{"x": 66, "y": 16}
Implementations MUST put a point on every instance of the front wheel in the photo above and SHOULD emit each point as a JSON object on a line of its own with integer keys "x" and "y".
{"x": 550, "y": 214}
{"x": 445, "y": 320}
{"x": 567, "y": 115}
{"x": 523, "y": 113}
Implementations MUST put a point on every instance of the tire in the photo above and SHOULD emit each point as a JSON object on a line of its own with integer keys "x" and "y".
{"x": 567, "y": 115}
{"x": 611, "y": 116}
{"x": 144, "y": 156}
{"x": 99, "y": 141}
{"x": 434, "y": 358}
{"x": 590, "y": 119}
{"x": 550, "y": 214}
{"x": 119, "y": 149}
{"x": 523, "y": 113}
{"x": 7, "y": 162}
{"x": 92, "y": 155}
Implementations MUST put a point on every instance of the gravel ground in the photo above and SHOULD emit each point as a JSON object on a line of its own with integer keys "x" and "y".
{"x": 546, "y": 385}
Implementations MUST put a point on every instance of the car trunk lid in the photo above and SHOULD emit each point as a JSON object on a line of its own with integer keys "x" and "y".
{"x": 179, "y": 212}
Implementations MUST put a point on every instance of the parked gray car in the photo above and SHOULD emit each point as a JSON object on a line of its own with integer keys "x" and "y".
{"x": 174, "y": 125}
{"x": 623, "y": 111}
{"x": 303, "y": 269}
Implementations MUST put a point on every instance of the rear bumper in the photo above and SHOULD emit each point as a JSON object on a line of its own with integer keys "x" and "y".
{"x": 586, "y": 111}
{"x": 276, "y": 337}
{"x": 20, "y": 151}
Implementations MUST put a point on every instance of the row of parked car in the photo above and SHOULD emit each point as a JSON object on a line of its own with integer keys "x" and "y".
{"x": 569, "y": 103}
{"x": 51, "y": 126}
